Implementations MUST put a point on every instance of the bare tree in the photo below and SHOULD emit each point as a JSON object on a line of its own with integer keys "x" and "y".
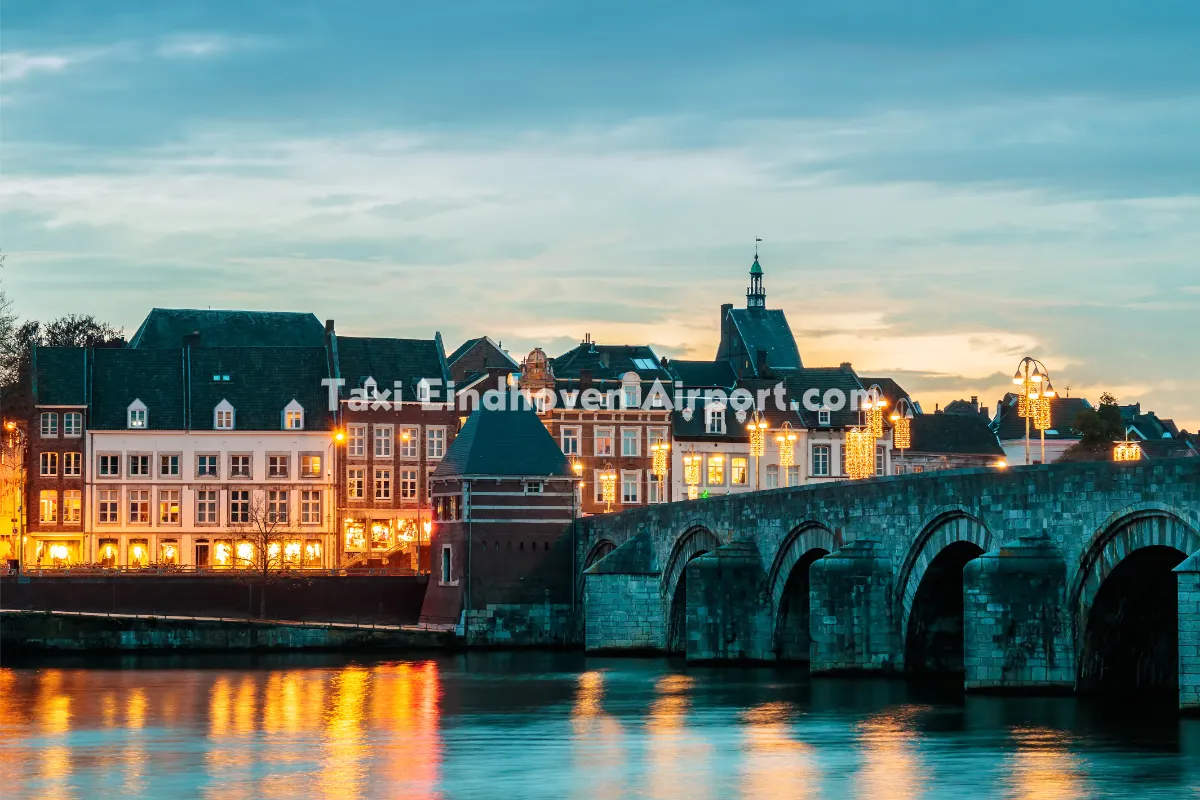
{"x": 267, "y": 541}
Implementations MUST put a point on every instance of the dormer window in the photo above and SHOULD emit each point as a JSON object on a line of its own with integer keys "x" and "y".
{"x": 223, "y": 416}
{"x": 823, "y": 416}
{"x": 370, "y": 389}
{"x": 631, "y": 390}
{"x": 293, "y": 417}
{"x": 714, "y": 418}
{"x": 423, "y": 390}
{"x": 138, "y": 416}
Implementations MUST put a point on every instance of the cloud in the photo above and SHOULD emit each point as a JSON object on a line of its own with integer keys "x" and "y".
{"x": 199, "y": 45}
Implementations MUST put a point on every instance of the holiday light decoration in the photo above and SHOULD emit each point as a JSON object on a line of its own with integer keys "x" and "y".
{"x": 691, "y": 473}
{"x": 786, "y": 441}
{"x": 658, "y": 466}
{"x": 873, "y": 406}
{"x": 608, "y": 485}
{"x": 1033, "y": 399}
{"x": 758, "y": 435}
{"x": 902, "y": 425}
{"x": 860, "y": 453}
{"x": 1127, "y": 451}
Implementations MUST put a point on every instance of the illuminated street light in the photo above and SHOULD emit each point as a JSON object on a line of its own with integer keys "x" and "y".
{"x": 786, "y": 440}
{"x": 1033, "y": 400}
{"x": 758, "y": 443}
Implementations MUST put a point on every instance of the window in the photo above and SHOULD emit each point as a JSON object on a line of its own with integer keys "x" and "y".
{"x": 239, "y": 466}
{"x": 139, "y": 506}
{"x": 823, "y": 416}
{"x": 72, "y": 464}
{"x": 598, "y": 486}
{"x": 293, "y": 417}
{"x": 168, "y": 506}
{"x": 793, "y": 475}
{"x": 631, "y": 391}
{"x": 72, "y": 506}
{"x": 49, "y": 420}
{"x": 435, "y": 442}
{"x": 107, "y": 510}
{"x": 716, "y": 469}
{"x": 630, "y": 481}
{"x": 355, "y": 480}
{"x": 139, "y": 466}
{"x": 820, "y": 460}
{"x": 223, "y": 417}
{"x": 918, "y": 468}
{"x": 357, "y": 445}
{"x": 423, "y": 390}
{"x": 310, "y": 507}
{"x": 771, "y": 477}
{"x": 48, "y": 506}
{"x": 603, "y": 441}
{"x": 72, "y": 423}
{"x": 206, "y": 507}
{"x": 48, "y": 463}
{"x": 408, "y": 484}
{"x": 206, "y": 466}
{"x": 410, "y": 442}
{"x": 534, "y": 487}
{"x": 880, "y": 460}
{"x": 714, "y": 418}
{"x": 110, "y": 466}
{"x": 239, "y": 506}
{"x": 383, "y": 441}
{"x": 383, "y": 484}
{"x": 445, "y": 563}
{"x": 570, "y": 441}
{"x": 137, "y": 414}
{"x": 310, "y": 466}
{"x": 645, "y": 363}
{"x": 277, "y": 505}
{"x": 656, "y": 435}
{"x": 655, "y": 490}
{"x": 277, "y": 466}
{"x": 168, "y": 466}
{"x": 738, "y": 472}
{"x": 631, "y": 440}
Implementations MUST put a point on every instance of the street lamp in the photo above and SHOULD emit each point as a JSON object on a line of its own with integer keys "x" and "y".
{"x": 608, "y": 485}
{"x": 1033, "y": 402}
{"x": 15, "y": 441}
{"x": 786, "y": 441}
{"x": 901, "y": 419}
{"x": 1127, "y": 450}
{"x": 691, "y": 472}
{"x": 758, "y": 443}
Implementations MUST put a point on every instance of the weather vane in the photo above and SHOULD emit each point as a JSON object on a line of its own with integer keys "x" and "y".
{"x": 756, "y": 241}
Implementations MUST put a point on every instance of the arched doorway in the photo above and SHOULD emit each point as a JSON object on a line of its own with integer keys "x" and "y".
{"x": 1131, "y": 634}
{"x": 792, "y": 633}
{"x": 933, "y": 642}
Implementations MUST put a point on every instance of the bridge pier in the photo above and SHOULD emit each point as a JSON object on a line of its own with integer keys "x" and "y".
{"x": 728, "y": 612}
{"x": 1016, "y": 624}
{"x": 1187, "y": 577}
{"x": 622, "y": 600}
{"x": 851, "y": 616}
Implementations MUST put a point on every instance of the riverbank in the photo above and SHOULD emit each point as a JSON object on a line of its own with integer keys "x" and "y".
{"x": 25, "y": 632}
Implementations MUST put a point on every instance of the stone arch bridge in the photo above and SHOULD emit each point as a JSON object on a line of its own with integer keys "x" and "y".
{"x": 1055, "y": 576}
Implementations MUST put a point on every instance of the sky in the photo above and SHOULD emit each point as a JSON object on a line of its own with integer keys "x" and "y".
{"x": 941, "y": 187}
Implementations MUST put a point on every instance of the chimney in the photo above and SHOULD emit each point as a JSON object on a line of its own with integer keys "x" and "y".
{"x": 328, "y": 326}
{"x": 846, "y": 367}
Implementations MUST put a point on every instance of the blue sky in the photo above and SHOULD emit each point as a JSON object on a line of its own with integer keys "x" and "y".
{"x": 942, "y": 187}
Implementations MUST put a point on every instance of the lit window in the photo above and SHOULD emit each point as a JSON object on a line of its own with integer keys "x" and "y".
{"x": 355, "y": 480}
{"x": 137, "y": 414}
{"x": 293, "y": 417}
{"x": 310, "y": 466}
{"x": 49, "y": 423}
{"x": 168, "y": 506}
{"x": 738, "y": 471}
{"x": 48, "y": 505}
{"x": 72, "y": 423}
{"x": 716, "y": 470}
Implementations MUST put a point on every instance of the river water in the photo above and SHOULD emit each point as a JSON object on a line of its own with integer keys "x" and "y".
{"x": 539, "y": 725}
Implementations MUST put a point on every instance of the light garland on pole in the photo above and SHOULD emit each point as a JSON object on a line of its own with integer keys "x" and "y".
{"x": 691, "y": 473}
{"x": 608, "y": 485}
{"x": 860, "y": 453}
{"x": 786, "y": 441}
{"x": 757, "y": 427}
{"x": 1033, "y": 400}
{"x": 658, "y": 464}
{"x": 901, "y": 419}
{"x": 1127, "y": 450}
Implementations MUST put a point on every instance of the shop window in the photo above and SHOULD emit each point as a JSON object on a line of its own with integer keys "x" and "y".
{"x": 106, "y": 552}
{"x": 139, "y": 553}
{"x": 168, "y": 552}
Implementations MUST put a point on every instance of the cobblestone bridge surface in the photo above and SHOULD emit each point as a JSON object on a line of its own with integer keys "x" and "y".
{"x": 1072, "y": 576}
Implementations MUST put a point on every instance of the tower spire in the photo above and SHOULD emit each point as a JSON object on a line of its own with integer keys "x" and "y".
{"x": 756, "y": 295}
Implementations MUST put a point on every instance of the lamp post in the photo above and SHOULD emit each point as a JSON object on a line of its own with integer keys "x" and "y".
{"x": 660, "y": 451}
{"x": 608, "y": 485}
{"x": 901, "y": 418}
{"x": 1033, "y": 402}
{"x": 577, "y": 469}
{"x": 786, "y": 441}
{"x": 15, "y": 443}
{"x": 757, "y": 426}
{"x": 691, "y": 472}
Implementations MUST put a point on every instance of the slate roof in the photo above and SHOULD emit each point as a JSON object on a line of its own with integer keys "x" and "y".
{"x": 511, "y": 443}
{"x": 702, "y": 373}
{"x": 608, "y": 362}
{"x": 1063, "y": 413}
{"x": 961, "y": 434}
{"x": 766, "y": 329}
{"x": 891, "y": 390}
{"x": 121, "y": 376}
{"x": 800, "y": 381}
{"x": 1155, "y": 449}
{"x": 390, "y": 360}
{"x": 463, "y": 348}
{"x": 60, "y": 376}
{"x": 262, "y": 382}
{"x": 165, "y": 329}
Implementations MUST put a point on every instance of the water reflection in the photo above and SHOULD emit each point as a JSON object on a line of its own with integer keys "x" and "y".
{"x": 551, "y": 726}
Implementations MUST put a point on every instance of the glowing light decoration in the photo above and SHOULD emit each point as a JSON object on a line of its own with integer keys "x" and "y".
{"x": 245, "y": 553}
{"x": 169, "y": 554}
{"x": 59, "y": 552}
{"x": 658, "y": 466}
{"x": 758, "y": 435}
{"x": 873, "y": 407}
{"x": 137, "y": 555}
{"x": 860, "y": 453}
{"x": 291, "y": 553}
{"x": 902, "y": 425}
{"x": 223, "y": 554}
{"x": 1033, "y": 399}
{"x": 786, "y": 441}
{"x": 608, "y": 485}
{"x": 1127, "y": 451}
{"x": 691, "y": 473}
{"x": 356, "y": 535}
{"x": 312, "y": 553}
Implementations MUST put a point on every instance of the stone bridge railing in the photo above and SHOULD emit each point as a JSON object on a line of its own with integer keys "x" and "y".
{"x": 836, "y": 573}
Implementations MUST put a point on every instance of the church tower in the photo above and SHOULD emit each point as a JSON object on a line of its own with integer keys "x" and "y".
{"x": 756, "y": 295}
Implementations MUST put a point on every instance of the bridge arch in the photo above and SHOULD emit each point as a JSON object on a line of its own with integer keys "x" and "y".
{"x": 600, "y": 549}
{"x": 695, "y": 541}
{"x": 930, "y": 588}
{"x": 788, "y": 583}
{"x": 1124, "y": 599}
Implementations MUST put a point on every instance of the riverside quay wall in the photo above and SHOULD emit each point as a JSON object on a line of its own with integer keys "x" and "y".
{"x": 1050, "y": 577}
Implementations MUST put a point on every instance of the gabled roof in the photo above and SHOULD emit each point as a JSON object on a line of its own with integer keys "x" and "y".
{"x": 463, "y": 348}
{"x": 1155, "y": 449}
{"x": 165, "y": 328}
{"x": 766, "y": 329}
{"x": 510, "y": 443}
{"x": 892, "y": 391}
{"x": 801, "y": 381}
{"x": 262, "y": 381}
{"x": 960, "y": 434}
{"x": 609, "y": 362}
{"x": 60, "y": 376}
{"x": 1063, "y": 413}
{"x": 390, "y": 360}
{"x": 702, "y": 373}
{"x": 153, "y": 376}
